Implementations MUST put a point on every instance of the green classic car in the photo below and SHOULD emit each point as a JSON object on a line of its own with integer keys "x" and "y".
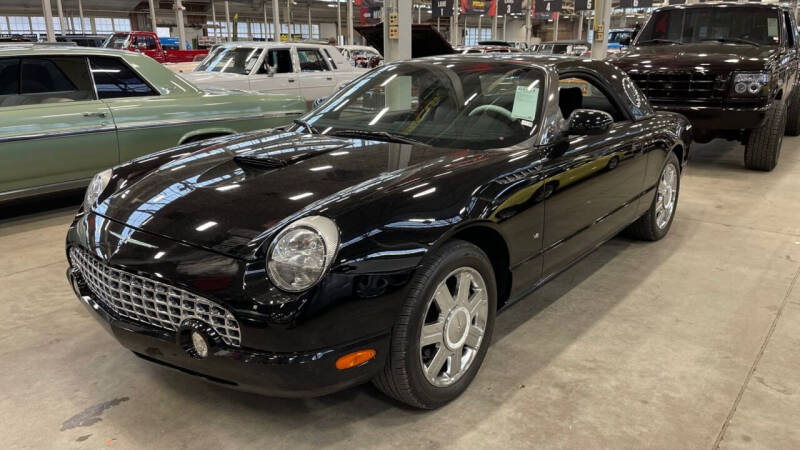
{"x": 69, "y": 112}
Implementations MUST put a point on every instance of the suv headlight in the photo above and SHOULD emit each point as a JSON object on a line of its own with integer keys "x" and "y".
{"x": 96, "y": 188}
{"x": 300, "y": 254}
{"x": 750, "y": 84}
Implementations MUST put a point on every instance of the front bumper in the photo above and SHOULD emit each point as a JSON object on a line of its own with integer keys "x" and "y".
{"x": 296, "y": 374}
{"x": 286, "y": 350}
{"x": 719, "y": 118}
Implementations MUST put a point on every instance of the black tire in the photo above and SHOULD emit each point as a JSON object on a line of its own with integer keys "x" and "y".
{"x": 646, "y": 227}
{"x": 793, "y": 114}
{"x": 763, "y": 146}
{"x": 403, "y": 378}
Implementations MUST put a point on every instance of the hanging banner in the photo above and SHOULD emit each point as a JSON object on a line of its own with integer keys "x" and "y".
{"x": 476, "y": 6}
{"x": 635, "y": 3}
{"x": 509, "y": 7}
{"x": 584, "y": 5}
{"x": 442, "y": 8}
{"x": 548, "y": 6}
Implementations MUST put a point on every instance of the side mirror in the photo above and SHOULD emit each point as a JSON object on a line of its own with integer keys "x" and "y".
{"x": 588, "y": 121}
{"x": 625, "y": 41}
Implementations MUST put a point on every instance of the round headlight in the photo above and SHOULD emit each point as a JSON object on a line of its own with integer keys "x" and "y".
{"x": 300, "y": 254}
{"x": 740, "y": 88}
{"x": 96, "y": 188}
{"x": 754, "y": 88}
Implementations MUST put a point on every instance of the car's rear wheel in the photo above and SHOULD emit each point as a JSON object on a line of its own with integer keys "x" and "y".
{"x": 656, "y": 222}
{"x": 441, "y": 336}
{"x": 763, "y": 146}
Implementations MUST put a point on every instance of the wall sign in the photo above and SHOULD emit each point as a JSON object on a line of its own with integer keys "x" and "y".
{"x": 635, "y": 3}
{"x": 584, "y": 5}
{"x": 442, "y": 8}
{"x": 548, "y": 6}
{"x": 509, "y": 7}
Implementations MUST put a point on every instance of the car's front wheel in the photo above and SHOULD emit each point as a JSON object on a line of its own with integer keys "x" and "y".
{"x": 443, "y": 331}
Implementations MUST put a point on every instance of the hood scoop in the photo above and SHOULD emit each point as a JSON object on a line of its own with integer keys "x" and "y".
{"x": 282, "y": 149}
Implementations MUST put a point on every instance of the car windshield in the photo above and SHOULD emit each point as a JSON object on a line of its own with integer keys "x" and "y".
{"x": 239, "y": 60}
{"x": 617, "y": 36}
{"x": 475, "y": 104}
{"x": 747, "y": 25}
{"x": 118, "y": 41}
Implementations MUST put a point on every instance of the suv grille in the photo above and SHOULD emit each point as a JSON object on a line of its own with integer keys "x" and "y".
{"x": 151, "y": 302}
{"x": 669, "y": 87}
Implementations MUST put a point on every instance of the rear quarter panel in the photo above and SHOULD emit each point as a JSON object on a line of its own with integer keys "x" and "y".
{"x": 147, "y": 124}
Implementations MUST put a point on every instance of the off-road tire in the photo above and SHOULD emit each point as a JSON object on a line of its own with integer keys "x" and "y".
{"x": 763, "y": 146}
{"x": 402, "y": 377}
{"x": 793, "y": 114}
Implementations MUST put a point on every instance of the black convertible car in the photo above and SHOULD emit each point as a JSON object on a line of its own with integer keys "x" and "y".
{"x": 376, "y": 238}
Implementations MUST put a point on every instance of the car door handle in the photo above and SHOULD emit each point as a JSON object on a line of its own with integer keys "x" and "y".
{"x": 329, "y": 78}
{"x": 291, "y": 80}
{"x": 94, "y": 114}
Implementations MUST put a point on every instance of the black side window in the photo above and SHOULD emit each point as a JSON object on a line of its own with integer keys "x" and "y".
{"x": 43, "y": 75}
{"x": 311, "y": 60}
{"x": 9, "y": 76}
{"x": 281, "y": 60}
{"x": 577, "y": 93}
{"x": 790, "y": 32}
{"x": 330, "y": 59}
{"x": 115, "y": 79}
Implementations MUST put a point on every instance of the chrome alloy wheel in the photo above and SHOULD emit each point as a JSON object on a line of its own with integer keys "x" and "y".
{"x": 453, "y": 325}
{"x": 667, "y": 195}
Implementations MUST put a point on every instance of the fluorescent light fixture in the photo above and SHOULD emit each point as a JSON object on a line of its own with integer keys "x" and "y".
{"x": 206, "y": 225}
{"x": 301, "y": 196}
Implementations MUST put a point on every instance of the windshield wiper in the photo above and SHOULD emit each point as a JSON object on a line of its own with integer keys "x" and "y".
{"x": 659, "y": 41}
{"x": 736, "y": 40}
{"x": 311, "y": 129}
{"x": 379, "y": 135}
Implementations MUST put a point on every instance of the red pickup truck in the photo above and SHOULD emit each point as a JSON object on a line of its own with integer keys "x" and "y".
{"x": 147, "y": 42}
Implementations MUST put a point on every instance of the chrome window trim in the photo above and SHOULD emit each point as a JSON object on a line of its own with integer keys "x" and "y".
{"x": 142, "y": 125}
{"x": 57, "y": 134}
{"x": 44, "y": 189}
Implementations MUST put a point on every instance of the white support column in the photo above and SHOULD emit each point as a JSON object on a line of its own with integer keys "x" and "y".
{"x": 437, "y": 24}
{"x": 80, "y": 14}
{"x": 419, "y": 13}
{"x": 555, "y": 26}
{"x": 266, "y": 24}
{"x": 339, "y": 21}
{"x": 153, "y": 16}
{"x": 602, "y": 12}
{"x": 397, "y": 49}
{"x": 454, "y": 35}
{"x": 276, "y": 21}
{"x": 494, "y": 25}
{"x": 350, "y": 22}
{"x": 580, "y": 25}
{"x": 181, "y": 29}
{"x": 478, "y": 33}
{"x": 505, "y": 22}
{"x": 47, "y": 11}
{"x": 61, "y": 20}
{"x": 214, "y": 21}
{"x": 228, "y": 21}
{"x": 528, "y": 22}
{"x": 289, "y": 18}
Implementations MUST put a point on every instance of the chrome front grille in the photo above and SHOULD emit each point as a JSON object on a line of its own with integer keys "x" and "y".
{"x": 151, "y": 302}
{"x": 683, "y": 87}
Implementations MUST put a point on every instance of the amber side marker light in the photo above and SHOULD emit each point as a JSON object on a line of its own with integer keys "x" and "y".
{"x": 354, "y": 359}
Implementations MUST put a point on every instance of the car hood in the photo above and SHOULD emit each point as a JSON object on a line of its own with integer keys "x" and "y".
{"x": 721, "y": 57}
{"x": 232, "y": 193}
{"x": 425, "y": 39}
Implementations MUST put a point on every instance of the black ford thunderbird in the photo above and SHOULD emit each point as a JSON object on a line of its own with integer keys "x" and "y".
{"x": 377, "y": 237}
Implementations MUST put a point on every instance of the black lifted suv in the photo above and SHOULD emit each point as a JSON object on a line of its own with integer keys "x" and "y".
{"x": 731, "y": 68}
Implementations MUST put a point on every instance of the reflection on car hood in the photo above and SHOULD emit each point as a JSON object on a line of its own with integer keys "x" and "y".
{"x": 227, "y": 194}
{"x": 713, "y": 56}
{"x": 205, "y": 77}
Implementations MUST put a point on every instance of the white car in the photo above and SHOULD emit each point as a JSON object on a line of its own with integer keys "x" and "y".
{"x": 311, "y": 70}
{"x": 361, "y": 55}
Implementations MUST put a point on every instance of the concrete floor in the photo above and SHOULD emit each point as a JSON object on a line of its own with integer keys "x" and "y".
{"x": 691, "y": 342}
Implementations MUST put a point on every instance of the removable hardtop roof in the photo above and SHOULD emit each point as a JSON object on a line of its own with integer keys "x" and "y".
{"x": 425, "y": 39}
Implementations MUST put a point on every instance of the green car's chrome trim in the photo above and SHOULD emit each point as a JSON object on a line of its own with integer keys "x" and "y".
{"x": 169, "y": 123}
{"x": 58, "y": 134}
{"x": 44, "y": 189}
